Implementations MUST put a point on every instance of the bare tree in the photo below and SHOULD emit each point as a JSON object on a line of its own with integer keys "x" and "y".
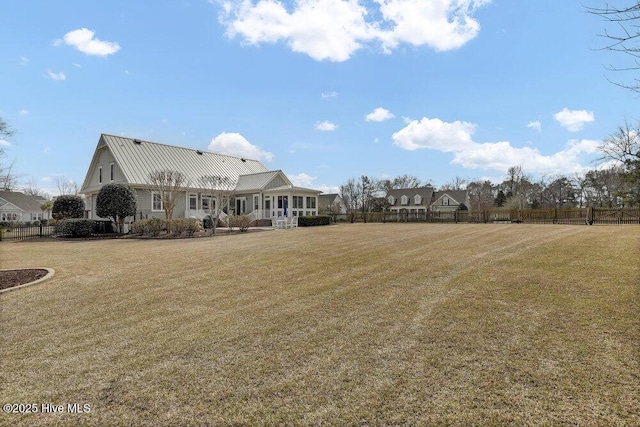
{"x": 455, "y": 184}
{"x": 402, "y": 181}
{"x": 7, "y": 178}
{"x": 367, "y": 189}
{"x": 481, "y": 195}
{"x": 625, "y": 37}
{"x": 350, "y": 195}
{"x": 66, "y": 186}
{"x": 623, "y": 147}
{"x": 168, "y": 185}
{"x": 604, "y": 188}
{"x": 220, "y": 191}
{"x": 31, "y": 189}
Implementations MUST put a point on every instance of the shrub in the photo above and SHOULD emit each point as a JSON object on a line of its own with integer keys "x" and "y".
{"x": 76, "y": 227}
{"x": 44, "y": 222}
{"x": 152, "y": 226}
{"x": 243, "y": 222}
{"x": 312, "y": 221}
{"x": 35, "y": 223}
{"x": 188, "y": 225}
{"x": 116, "y": 201}
{"x": 68, "y": 206}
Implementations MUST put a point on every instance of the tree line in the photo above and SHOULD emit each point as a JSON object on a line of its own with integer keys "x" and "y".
{"x": 617, "y": 185}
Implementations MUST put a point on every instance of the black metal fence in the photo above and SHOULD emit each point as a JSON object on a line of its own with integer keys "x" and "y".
{"x": 24, "y": 232}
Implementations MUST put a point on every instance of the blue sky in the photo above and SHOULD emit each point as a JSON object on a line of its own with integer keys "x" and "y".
{"x": 325, "y": 90}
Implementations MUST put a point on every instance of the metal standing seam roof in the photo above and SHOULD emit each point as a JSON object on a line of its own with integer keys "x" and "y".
{"x": 257, "y": 181}
{"x": 138, "y": 159}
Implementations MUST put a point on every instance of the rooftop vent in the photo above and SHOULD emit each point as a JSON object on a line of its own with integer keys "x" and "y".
{"x": 243, "y": 159}
{"x": 137, "y": 141}
{"x": 199, "y": 152}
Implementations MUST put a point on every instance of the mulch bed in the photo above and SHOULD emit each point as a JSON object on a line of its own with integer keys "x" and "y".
{"x": 11, "y": 278}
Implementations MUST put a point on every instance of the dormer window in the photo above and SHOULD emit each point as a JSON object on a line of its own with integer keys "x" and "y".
{"x": 404, "y": 200}
{"x": 392, "y": 200}
{"x": 417, "y": 199}
{"x": 445, "y": 201}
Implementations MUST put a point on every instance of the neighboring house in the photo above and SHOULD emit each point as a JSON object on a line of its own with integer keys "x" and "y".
{"x": 258, "y": 192}
{"x": 331, "y": 204}
{"x": 15, "y": 206}
{"x": 419, "y": 201}
{"x": 410, "y": 200}
{"x": 449, "y": 200}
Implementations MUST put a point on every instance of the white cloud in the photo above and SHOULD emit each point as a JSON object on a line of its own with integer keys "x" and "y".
{"x": 456, "y": 138}
{"x": 535, "y": 125}
{"x": 56, "y": 76}
{"x": 24, "y": 112}
{"x": 574, "y": 120}
{"x": 335, "y": 29}
{"x": 435, "y": 134}
{"x": 379, "y": 115}
{"x": 302, "y": 180}
{"x": 327, "y": 189}
{"x": 83, "y": 40}
{"x": 24, "y": 60}
{"x": 307, "y": 181}
{"x": 329, "y": 95}
{"x": 234, "y": 144}
{"x": 325, "y": 126}
{"x": 4, "y": 143}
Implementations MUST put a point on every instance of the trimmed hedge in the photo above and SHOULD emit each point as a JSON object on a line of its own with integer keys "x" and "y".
{"x": 152, "y": 226}
{"x": 76, "y": 227}
{"x": 312, "y": 221}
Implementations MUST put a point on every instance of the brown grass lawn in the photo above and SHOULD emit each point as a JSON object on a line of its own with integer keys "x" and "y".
{"x": 378, "y": 324}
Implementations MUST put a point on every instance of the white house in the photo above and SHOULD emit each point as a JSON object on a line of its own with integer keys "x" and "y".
{"x": 419, "y": 201}
{"x": 255, "y": 190}
{"x": 19, "y": 207}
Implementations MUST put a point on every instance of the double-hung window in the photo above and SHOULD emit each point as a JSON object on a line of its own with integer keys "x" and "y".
{"x": 156, "y": 201}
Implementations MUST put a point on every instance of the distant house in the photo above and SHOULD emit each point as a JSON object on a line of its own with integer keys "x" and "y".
{"x": 331, "y": 204}
{"x": 449, "y": 200}
{"x": 15, "y": 206}
{"x": 256, "y": 191}
{"x": 419, "y": 201}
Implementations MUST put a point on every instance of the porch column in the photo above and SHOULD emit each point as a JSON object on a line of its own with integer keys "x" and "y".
{"x": 290, "y": 202}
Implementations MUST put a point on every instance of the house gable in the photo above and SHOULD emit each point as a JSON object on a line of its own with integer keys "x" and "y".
{"x": 9, "y": 207}
{"x": 21, "y": 201}
{"x": 449, "y": 198}
{"x": 134, "y": 160}
{"x": 261, "y": 181}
